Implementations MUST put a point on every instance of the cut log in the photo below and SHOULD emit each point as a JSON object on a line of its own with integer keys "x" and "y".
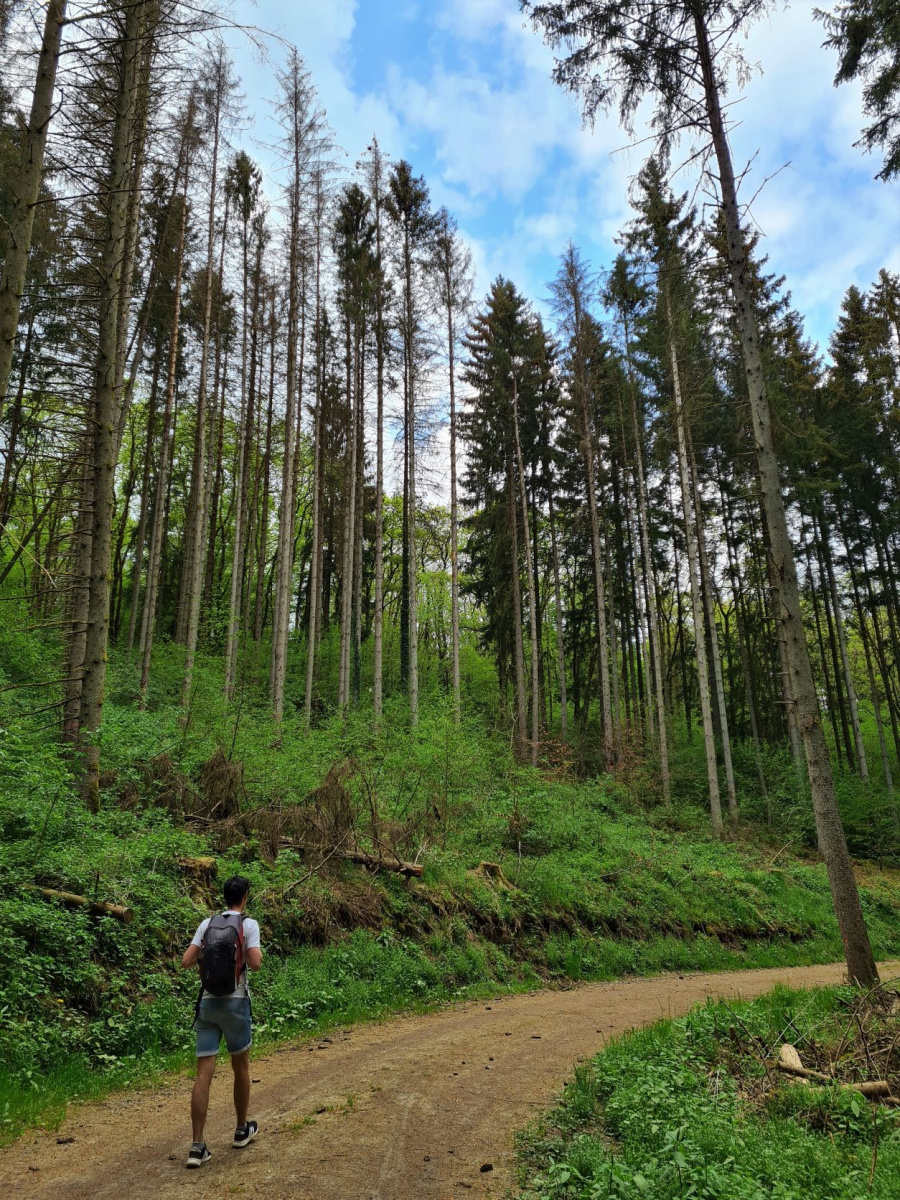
{"x": 97, "y": 908}
{"x": 372, "y": 861}
{"x": 789, "y": 1063}
{"x": 789, "y": 1058}
{"x": 874, "y": 1089}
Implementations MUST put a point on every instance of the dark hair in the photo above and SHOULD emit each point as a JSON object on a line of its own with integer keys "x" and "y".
{"x": 236, "y": 888}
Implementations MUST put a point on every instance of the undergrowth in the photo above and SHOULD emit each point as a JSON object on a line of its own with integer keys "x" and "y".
{"x": 696, "y": 1108}
{"x": 529, "y": 877}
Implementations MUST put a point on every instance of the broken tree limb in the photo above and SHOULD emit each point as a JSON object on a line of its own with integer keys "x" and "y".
{"x": 872, "y": 1089}
{"x": 789, "y": 1062}
{"x": 372, "y": 861}
{"x": 97, "y": 908}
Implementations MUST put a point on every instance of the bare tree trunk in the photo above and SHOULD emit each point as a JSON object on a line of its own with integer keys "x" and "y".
{"x": 532, "y": 594}
{"x": 197, "y": 508}
{"x": 315, "y": 589}
{"x": 148, "y": 623}
{"x": 411, "y": 535}
{"x": 140, "y": 542}
{"x": 862, "y": 765}
{"x": 848, "y": 910}
{"x": 649, "y": 586}
{"x": 558, "y": 606}
{"x": 348, "y": 556}
{"x": 114, "y": 268}
{"x": 263, "y": 544}
{"x": 587, "y": 449}
{"x": 375, "y": 179}
{"x": 691, "y": 538}
{"x": 454, "y": 530}
{"x": 232, "y": 639}
{"x": 518, "y": 639}
{"x": 706, "y": 587}
{"x": 874, "y": 693}
{"x": 25, "y": 188}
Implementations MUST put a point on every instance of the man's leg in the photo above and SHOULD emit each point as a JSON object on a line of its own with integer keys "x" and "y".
{"x": 240, "y": 1064}
{"x": 206, "y": 1067}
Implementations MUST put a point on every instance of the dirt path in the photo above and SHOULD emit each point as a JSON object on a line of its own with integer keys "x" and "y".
{"x": 412, "y": 1109}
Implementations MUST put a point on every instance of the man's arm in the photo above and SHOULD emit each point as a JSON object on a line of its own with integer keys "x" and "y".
{"x": 252, "y": 950}
{"x": 192, "y": 954}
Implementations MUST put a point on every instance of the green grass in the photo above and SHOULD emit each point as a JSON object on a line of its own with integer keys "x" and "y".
{"x": 687, "y": 1109}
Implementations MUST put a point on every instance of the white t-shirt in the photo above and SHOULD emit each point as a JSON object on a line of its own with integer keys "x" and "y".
{"x": 251, "y": 940}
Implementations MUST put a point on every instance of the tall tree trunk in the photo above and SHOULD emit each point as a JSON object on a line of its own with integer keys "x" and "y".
{"x": 691, "y": 534}
{"x": 154, "y": 561}
{"x": 532, "y": 591}
{"x": 263, "y": 545}
{"x": 197, "y": 508}
{"x": 140, "y": 541}
{"x": 232, "y": 639}
{"x": 557, "y": 604}
{"x": 706, "y": 587}
{"x": 411, "y": 508}
{"x": 518, "y": 638}
{"x": 315, "y": 565}
{"x": 874, "y": 693}
{"x": 380, "y": 345}
{"x": 25, "y": 187}
{"x": 284, "y": 563}
{"x": 649, "y": 584}
{"x": 862, "y": 766}
{"x": 454, "y": 524}
{"x": 848, "y": 910}
{"x": 113, "y": 270}
{"x": 348, "y": 557}
{"x": 587, "y": 450}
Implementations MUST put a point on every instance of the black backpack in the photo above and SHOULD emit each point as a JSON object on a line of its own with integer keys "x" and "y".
{"x": 222, "y": 954}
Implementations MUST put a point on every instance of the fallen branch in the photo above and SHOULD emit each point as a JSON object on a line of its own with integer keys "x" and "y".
{"x": 789, "y": 1063}
{"x": 374, "y": 863}
{"x": 97, "y": 908}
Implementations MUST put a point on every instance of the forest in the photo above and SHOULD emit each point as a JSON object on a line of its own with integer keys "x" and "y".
{"x": 458, "y": 617}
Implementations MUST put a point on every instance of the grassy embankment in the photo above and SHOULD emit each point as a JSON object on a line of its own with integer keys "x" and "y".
{"x": 696, "y": 1108}
{"x": 597, "y": 880}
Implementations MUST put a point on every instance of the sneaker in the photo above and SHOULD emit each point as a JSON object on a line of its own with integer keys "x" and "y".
{"x": 244, "y": 1134}
{"x": 198, "y": 1155}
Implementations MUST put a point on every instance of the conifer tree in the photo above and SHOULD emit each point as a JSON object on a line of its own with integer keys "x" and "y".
{"x": 677, "y": 54}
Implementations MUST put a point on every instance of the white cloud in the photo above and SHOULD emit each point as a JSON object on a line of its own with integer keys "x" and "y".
{"x": 501, "y": 146}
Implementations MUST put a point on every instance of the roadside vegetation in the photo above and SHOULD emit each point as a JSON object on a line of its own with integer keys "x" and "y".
{"x": 529, "y": 876}
{"x": 698, "y": 1107}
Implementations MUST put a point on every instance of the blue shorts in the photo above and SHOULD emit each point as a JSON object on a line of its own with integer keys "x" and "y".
{"x": 223, "y": 1015}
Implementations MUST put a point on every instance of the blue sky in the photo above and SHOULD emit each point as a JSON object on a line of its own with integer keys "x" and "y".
{"x": 462, "y": 89}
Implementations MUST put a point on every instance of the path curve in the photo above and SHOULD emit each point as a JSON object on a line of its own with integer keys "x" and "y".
{"x": 415, "y": 1108}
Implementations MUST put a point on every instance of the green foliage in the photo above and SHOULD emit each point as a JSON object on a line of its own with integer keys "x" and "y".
{"x": 668, "y": 1112}
{"x": 594, "y": 883}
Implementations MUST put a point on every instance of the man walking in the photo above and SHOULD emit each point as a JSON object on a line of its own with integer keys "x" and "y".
{"x": 224, "y": 946}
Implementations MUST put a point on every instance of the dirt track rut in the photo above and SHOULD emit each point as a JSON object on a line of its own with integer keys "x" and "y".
{"x": 411, "y": 1109}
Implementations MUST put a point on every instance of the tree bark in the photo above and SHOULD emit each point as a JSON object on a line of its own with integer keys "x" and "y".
{"x": 154, "y": 561}
{"x": 532, "y": 592}
{"x": 197, "y": 509}
{"x": 114, "y": 268}
{"x": 25, "y": 187}
{"x": 691, "y": 535}
{"x": 706, "y": 587}
{"x": 848, "y": 910}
